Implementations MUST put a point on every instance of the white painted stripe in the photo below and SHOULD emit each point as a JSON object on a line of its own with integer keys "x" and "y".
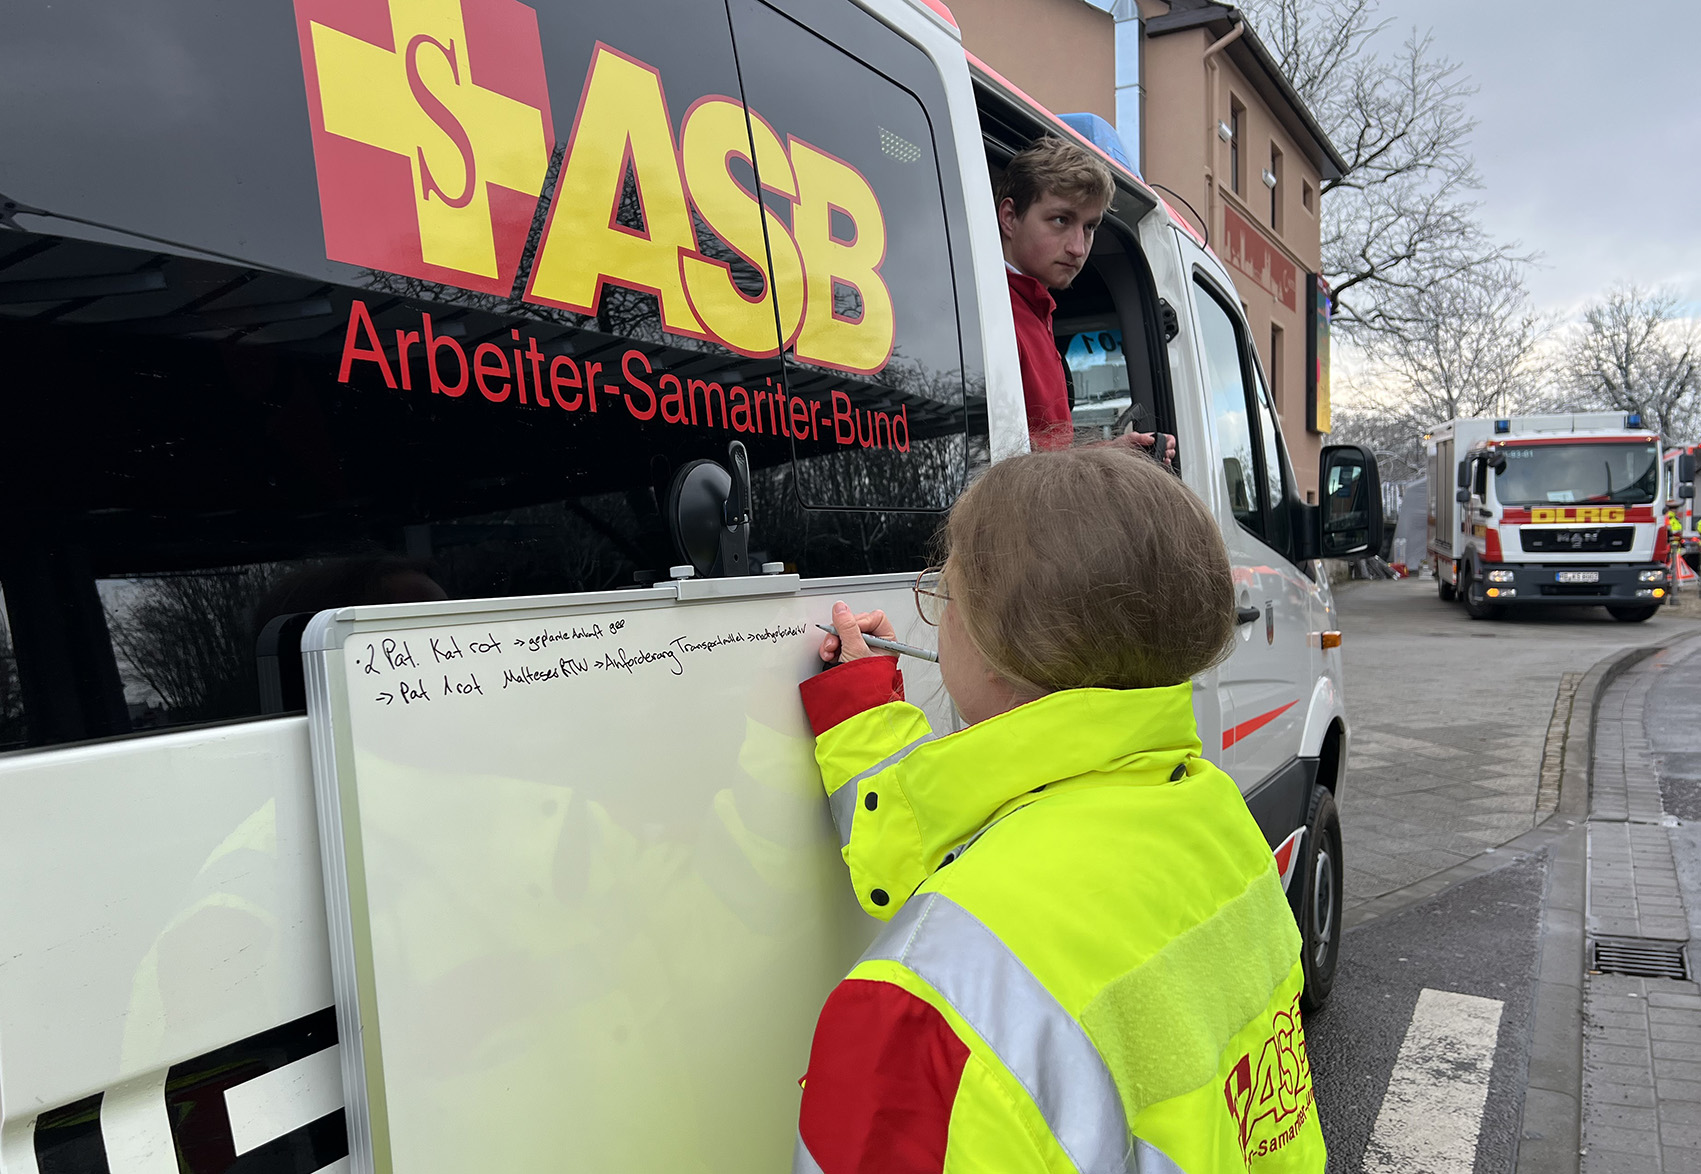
{"x": 285, "y": 1099}
{"x": 135, "y": 1128}
{"x": 1432, "y": 1113}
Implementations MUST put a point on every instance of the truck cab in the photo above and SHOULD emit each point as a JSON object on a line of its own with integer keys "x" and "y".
{"x": 1552, "y": 509}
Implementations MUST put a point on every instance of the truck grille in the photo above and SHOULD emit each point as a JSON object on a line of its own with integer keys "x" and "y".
{"x": 1576, "y": 589}
{"x": 1591, "y": 539}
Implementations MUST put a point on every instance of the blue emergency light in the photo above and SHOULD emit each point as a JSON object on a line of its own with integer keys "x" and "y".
{"x": 1502, "y": 426}
{"x": 1633, "y": 419}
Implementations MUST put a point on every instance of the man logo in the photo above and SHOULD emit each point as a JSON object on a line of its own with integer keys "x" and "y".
{"x": 431, "y": 133}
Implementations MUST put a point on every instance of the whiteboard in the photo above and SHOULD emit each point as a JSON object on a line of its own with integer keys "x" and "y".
{"x": 584, "y": 895}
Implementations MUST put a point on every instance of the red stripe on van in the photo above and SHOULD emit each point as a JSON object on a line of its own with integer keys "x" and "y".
{"x": 1253, "y": 725}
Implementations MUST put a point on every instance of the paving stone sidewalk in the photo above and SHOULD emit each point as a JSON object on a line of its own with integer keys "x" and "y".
{"x": 1642, "y": 1036}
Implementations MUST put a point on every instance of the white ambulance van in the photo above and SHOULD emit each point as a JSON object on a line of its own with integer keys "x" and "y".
{"x": 332, "y": 303}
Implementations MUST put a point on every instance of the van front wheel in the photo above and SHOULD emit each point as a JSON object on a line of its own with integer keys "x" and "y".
{"x": 1319, "y": 908}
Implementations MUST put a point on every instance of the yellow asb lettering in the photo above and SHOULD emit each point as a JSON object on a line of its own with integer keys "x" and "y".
{"x": 714, "y": 134}
{"x": 837, "y": 236}
{"x": 420, "y": 102}
{"x": 623, "y": 116}
{"x": 826, "y": 184}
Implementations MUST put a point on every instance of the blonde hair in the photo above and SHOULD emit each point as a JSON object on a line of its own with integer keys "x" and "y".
{"x": 1089, "y": 568}
{"x": 1056, "y": 167}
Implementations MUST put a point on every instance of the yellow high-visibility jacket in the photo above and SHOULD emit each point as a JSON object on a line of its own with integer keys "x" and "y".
{"x": 1090, "y": 964}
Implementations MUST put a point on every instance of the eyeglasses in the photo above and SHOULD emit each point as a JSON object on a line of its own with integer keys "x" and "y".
{"x": 930, "y": 595}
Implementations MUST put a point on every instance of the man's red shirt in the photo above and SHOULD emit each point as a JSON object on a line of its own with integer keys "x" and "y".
{"x": 1044, "y": 388}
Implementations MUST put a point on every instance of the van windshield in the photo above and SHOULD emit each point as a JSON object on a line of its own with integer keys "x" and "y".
{"x": 1543, "y": 474}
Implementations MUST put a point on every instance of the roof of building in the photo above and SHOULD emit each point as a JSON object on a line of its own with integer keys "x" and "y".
{"x": 1261, "y": 68}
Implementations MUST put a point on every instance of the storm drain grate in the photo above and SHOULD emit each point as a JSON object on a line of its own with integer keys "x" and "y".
{"x": 1640, "y": 958}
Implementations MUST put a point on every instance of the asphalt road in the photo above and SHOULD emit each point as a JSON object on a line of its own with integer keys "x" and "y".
{"x": 1449, "y": 717}
{"x": 1478, "y": 939}
{"x": 1449, "y": 721}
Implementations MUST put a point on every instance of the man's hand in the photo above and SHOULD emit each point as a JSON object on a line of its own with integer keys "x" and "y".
{"x": 1147, "y": 441}
{"x": 847, "y": 644}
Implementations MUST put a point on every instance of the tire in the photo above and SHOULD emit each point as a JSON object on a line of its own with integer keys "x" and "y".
{"x": 1633, "y": 615}
{"x": 1443, "y": 588}
{"x": 1316, "y": 897}
{"x": 1475, "y": 607}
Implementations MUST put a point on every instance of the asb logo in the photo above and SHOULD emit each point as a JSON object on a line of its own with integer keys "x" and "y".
{"x": 431, "y": 132}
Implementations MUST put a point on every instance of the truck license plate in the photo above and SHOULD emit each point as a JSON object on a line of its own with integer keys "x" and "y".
{"x": 1578, "y": 577}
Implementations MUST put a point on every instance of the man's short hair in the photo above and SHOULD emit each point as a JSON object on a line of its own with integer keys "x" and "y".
{"x": 1054, "y": 166}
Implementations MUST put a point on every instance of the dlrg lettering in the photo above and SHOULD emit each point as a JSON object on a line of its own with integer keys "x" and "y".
{"x": 524, "y": 374}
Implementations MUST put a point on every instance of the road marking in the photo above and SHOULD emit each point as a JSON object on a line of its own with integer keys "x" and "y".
{"x": 1432, "y": 1113}
{"x": 285, "y": 1099}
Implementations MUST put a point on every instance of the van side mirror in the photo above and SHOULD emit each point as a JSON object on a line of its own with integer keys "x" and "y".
{"x": 1687, "y": 489}
{"x": 1686, "y": 467}
{"x": 1350, "y": 490}
{"x": 1464, "y": 480}
{"x": 1461, "y": 496}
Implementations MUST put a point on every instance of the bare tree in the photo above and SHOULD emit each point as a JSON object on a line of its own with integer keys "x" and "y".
{"x": 1633, "y": 351}
{"x": 1402, "y": 218}
{"x": 1469, "y": 346}
{"x": 190, "y": 638}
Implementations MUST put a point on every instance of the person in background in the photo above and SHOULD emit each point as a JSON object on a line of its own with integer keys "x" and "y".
{"x": 1051, "y": 199}
{"x": 1089, "y": 962}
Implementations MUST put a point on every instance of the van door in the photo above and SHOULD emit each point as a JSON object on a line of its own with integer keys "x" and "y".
{"x": 1267, "y": 678}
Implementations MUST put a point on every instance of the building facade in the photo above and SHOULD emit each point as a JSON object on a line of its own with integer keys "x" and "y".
{"x": 1204, "y": 109}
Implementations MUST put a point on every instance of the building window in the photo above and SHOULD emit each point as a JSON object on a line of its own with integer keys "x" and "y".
{"x": 1278, "y": 385}
{"x": 1274, "y": 182}
{"x": 1237, "y": 116}
{"x": 1305, "y": 196}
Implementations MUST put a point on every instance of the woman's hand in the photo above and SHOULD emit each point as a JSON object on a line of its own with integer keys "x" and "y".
{"x": 847, "y": 644}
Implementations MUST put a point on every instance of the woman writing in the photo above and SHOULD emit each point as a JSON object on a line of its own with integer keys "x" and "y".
{"x": 1090, "y": 964}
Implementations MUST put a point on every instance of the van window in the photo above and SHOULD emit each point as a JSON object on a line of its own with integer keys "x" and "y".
{"x": 1277, "y": 474}
{"x": 1105, "y": 325}
{"x": 1225, "y": 384}
{"x": 874, "y": 328}
{"x": 309, "y": 386}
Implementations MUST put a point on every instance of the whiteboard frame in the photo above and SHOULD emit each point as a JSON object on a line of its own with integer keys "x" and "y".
{"x": 322, "y": 651}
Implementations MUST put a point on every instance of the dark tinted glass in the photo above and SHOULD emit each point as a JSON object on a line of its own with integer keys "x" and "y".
{"x": 295, "y": 365}
{"x": 879, "y": 340}
{"x": 1278, "y": 476}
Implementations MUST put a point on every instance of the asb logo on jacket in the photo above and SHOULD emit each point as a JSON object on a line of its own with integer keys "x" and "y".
{"x": 433, "y": 138}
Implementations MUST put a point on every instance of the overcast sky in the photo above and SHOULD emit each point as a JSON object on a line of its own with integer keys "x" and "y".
{"x": 1588, "y": 135}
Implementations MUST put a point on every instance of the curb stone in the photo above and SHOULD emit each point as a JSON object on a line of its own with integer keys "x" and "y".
{"x": 1551, "y": 1134}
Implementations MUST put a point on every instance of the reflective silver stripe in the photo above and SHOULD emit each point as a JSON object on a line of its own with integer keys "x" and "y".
{"x": 802, "y": 1161}
{"x": 842, "y": 802}
{"x": 1149, "y": 1159}
{"x": 1030, "y": 1032}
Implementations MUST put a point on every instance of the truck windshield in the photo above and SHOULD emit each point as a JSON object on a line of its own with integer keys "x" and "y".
{"x": 1541, "y": 474}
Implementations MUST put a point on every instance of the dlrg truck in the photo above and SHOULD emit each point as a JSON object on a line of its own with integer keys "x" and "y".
{"x": 1553, "y": 509}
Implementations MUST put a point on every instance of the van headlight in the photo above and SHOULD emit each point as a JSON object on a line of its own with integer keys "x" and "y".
{"x": 1651, "y": 577}
{"x": 1501, "y": 577}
